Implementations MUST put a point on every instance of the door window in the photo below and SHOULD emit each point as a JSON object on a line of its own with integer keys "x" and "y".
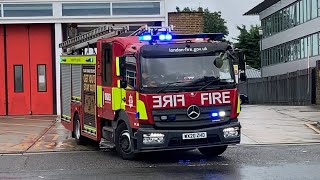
{"x": 18, "y": 78}
{"x": 42, "y": 80}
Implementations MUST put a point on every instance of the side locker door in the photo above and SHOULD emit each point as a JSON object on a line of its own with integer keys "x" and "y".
{"x": 89, "y": 98}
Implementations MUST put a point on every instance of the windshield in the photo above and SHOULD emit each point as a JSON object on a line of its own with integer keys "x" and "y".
{"x": 158, "y": 72}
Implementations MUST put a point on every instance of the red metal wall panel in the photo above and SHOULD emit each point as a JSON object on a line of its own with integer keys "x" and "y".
{"x": 2, "y": 74}
{"x": 18, "y": 54}
{"x": 41, "y": 54}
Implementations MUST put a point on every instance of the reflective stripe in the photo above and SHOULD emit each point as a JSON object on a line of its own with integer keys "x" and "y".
{"x": 238, "y": 106}
{"x": 141, "y": 108}
{"x": 116, "y": 99}
{"x": 99, "y": 96}
{"x": 76, "y": 98}
{"x": 89, "y": 128}
{"x": 117, "y": 66}
{"x": 118, "y": 83}
{"x": 65, "y": 117}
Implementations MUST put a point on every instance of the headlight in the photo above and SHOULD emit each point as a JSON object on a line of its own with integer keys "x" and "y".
{"x": 231, "y": 132}
{"x": 153, "y": 138}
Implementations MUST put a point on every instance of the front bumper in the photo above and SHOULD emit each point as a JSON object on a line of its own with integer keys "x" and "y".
{"x": 173, "y": 138}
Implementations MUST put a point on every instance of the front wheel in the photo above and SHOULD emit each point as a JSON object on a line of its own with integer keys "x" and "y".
{"x": 124, "y": 143}
{"x": 213, "y": 151}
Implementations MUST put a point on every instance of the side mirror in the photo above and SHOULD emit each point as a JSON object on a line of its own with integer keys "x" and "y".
{"x": 218, "y": 62}
{"x": 243, "y": 77}
{"x": 241, "y": 58}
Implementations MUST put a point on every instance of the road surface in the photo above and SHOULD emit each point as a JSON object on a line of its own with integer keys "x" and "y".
{"x": 238, "y": 162}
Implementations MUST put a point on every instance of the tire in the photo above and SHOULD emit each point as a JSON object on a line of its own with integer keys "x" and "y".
{"x": 80, "y": 140}
{"x": 213, "y": 151}
{"x": 124, "y": 143}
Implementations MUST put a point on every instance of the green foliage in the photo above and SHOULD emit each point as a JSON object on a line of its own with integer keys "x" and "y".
{"x": 213, "y": 22}
{"x": 249, "y": 40}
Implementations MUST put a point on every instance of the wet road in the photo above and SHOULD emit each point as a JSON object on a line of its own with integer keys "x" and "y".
{"x": 240, "y": 162}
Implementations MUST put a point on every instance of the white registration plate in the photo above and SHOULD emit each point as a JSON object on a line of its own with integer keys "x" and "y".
{"x": 198, "y": 135}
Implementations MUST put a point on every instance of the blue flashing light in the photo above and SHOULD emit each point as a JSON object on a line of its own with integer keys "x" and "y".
{"x": 162, "y": 37}
{"x": 146, "y": 37}
{"x": 137, "y": 115}
{"x": 214, "y": 115}
{"x": 168, "y": 37}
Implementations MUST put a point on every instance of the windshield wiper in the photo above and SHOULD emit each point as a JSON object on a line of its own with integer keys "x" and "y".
{"x": 204, "y": 79}
{"x": 169, "y": 84}
{"x": 208, "y": 79}
{"x": 212, "y": 80}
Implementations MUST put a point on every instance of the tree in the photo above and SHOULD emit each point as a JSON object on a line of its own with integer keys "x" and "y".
{"x": 213, "y": 22}
{"x": 248, "y": 40}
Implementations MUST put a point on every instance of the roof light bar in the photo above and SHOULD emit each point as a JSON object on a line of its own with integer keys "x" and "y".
{"x": 165, "y": 36}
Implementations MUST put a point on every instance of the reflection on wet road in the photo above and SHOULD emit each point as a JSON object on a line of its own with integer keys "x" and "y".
{"x": 239, "y": 162}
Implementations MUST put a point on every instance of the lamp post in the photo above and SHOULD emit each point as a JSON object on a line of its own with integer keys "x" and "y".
{"x": 261, "y": 37}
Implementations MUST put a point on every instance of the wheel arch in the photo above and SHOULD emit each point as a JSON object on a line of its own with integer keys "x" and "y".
{"x": 122, "y": 117}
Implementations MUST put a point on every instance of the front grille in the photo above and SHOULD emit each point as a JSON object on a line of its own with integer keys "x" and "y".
{"x": 178, "y": 142}
{"x": 183, "y": 121}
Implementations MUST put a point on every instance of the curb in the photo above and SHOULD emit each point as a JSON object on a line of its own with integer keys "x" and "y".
{"x": 313, "y": 126}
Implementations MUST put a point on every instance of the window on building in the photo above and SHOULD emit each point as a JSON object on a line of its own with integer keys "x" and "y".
{"x": 292, "y": 15}
{"x": 314, "y": 9}
{"x": 298, "y": 49}
{"x": 27, "y": 10}
{"x": 301, "y": 48}
{"x": 136, "y": 8}
{"x": 301, "y": 11}
{"x": 315, "y": 45}
{"x": 280, "y": 21}
{"x": 318, "y": 7}
{"x": 297, "y": 13}
{"x": 306, "y": 48}
{"x": 85, "y": 9}
{"x": 306, "y": 13}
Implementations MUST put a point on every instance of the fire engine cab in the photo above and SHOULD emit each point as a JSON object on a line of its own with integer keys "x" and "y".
{"x": 151, "y": 90}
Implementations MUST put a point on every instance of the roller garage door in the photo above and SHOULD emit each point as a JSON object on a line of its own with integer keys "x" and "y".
{"x": 28, "y": 58}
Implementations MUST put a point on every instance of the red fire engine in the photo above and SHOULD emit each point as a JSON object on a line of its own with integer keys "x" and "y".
{"x": 151, "y": 90}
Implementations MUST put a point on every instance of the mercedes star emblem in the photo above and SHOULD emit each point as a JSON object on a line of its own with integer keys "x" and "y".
{"x": 193, "y": 112}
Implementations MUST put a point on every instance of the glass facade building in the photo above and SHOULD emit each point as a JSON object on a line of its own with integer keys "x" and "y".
{"x": 293, "y": 15}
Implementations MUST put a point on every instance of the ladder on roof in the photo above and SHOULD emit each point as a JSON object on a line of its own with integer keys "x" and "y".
{"x": 85, "y": 40}
{"x": 91, "y": 37}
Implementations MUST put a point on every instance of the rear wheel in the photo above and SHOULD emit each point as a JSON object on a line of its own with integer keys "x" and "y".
{"x": 213, "y": 151}
{"x": 124, "y": 143}
{"x": 80, "y": 140}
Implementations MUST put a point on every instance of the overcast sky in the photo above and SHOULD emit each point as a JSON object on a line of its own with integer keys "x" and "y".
{"x": 232, "y": 11}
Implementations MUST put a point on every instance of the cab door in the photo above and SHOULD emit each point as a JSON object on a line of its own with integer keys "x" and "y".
{"x": 130, "y": 92}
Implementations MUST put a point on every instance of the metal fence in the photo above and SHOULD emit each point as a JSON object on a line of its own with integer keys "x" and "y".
{"x": 296, "y": 88}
